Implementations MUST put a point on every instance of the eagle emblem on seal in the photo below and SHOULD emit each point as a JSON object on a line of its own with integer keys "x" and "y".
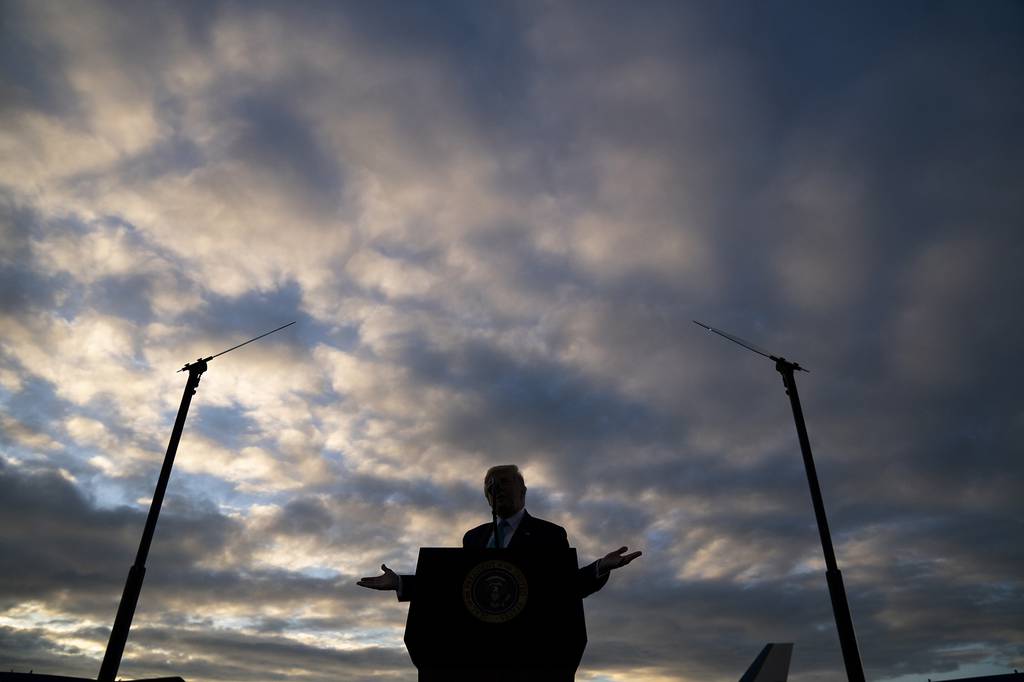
{"x": 495, "y": 591}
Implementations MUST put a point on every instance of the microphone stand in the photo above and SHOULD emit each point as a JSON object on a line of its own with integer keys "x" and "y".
{"x": 494, "y": 514}
{"x": 133, "y": 585}
{"x": 494, "y": 529}
{"x": 836, "y": 590}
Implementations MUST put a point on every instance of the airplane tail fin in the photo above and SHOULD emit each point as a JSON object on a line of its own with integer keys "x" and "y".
{"x": 771, "y": 665}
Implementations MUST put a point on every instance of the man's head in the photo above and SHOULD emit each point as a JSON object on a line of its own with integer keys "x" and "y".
{"x": 505, "y": 489}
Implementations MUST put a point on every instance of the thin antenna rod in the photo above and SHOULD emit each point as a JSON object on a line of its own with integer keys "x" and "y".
{"x": 749, "y": 346}
{"x": 242, "y": 344}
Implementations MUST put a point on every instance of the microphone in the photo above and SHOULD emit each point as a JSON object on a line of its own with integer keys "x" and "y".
{"x": 492, "y": 494}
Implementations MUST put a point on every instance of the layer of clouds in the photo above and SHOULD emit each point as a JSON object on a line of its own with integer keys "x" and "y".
{"x": 494, "y": 225}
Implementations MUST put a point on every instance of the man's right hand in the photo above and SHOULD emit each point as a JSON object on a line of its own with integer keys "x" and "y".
{"x": 387, "y": 581}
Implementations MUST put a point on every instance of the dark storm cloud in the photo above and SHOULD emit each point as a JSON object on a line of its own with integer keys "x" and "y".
{"x": 208, "y": 655}
{"x": 303, "y": 516}
{"x": 22, "y": 286}
{"x": 275, "y": 138}
{"x": 26, "y": 649}
{"x": 422, "y": 494}
{"x": 34, "y": 73}
{"x": 176, "y": 156}
{"x": 509, "y": 254}
{"x": 368, "y": 512}
{"x": 229, "y": 656}
{"x": 32, "y": 281}
{"x": 253, "y": 312}
{"x": 60, "y": 550}
{"x": 36, "y": 64}
{"x": 226, "y": 425}
{"x": 56, "y": 544}
{"x": 878, "y": 114}
{"x": 34, "y": 409}
{"x": 737, "y": 622}
{"x": 483, "y": 49}
{"x": 903, "y": 123}
{"x": 128, "y": 296}
{"x": 521, "y": 405}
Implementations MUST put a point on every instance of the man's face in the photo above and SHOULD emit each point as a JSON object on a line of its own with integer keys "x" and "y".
{"x": 509, "y": 493}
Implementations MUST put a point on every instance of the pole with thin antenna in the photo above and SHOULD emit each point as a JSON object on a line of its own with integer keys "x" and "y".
{"x": 836, "y": 590}
{"x": 133, "y": 585}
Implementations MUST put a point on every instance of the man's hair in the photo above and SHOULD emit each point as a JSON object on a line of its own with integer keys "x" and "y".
{"x": 505, "y": 467}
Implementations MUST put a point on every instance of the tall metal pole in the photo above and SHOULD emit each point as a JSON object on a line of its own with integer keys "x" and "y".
{"x": 836, "y": 590}
{"x": 136, "y": 574}
{"x": 133, "y": 586}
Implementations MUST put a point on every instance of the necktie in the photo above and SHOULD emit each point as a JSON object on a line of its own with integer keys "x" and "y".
{"x": 502, "y": 532}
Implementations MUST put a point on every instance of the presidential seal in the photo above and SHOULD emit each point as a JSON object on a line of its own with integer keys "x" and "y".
{"x": 495, "y": 591}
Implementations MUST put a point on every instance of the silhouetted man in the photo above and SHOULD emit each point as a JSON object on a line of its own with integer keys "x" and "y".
{"x": 505, "y": 490}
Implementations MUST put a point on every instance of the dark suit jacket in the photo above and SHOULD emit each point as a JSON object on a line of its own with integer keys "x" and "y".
{"x": 532, "y": 533}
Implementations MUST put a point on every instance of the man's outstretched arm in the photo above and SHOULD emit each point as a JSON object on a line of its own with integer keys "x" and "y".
{"x": 616, "y": 559}
{"x": 389, "y": 580}
{"x": 593, "y": 576}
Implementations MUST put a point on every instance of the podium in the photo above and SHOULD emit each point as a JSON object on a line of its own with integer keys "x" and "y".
{"x": 503, "y": 615}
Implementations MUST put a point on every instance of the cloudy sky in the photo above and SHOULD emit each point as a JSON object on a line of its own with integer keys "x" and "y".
{"x": 493, "y": 224}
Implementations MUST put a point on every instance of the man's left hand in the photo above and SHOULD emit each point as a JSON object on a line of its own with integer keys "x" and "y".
{"x": 616, "y": 559}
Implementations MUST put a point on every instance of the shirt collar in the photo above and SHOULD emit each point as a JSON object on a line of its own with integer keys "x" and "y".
{"x": 516, "y": 519}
